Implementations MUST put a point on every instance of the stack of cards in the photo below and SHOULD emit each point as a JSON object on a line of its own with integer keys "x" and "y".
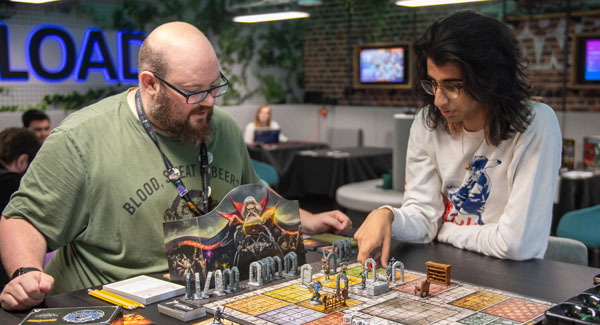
{"x": 181, "y": 309}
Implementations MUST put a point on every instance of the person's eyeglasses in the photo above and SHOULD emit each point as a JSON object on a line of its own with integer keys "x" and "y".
{"x": 451, "y": 91}
{"x": 198, "y": 96}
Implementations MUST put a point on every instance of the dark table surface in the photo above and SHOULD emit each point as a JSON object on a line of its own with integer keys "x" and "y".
{"x": 281, "y": 155}
{"x": 542, "y": 279}
{"x": 321, "y": 172}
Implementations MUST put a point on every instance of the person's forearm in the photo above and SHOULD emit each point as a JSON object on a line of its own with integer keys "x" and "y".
{"x": 21, "y": 245}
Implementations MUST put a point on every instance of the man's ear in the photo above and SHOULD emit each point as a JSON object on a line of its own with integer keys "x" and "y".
{"x": 148, "y": 83}
{"x": 22, "y": 163}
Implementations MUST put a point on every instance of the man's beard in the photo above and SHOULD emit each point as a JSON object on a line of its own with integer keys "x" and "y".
{"x": 164, "y": 112}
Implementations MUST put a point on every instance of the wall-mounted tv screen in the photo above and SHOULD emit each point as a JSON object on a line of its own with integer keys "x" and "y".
{"x": 383, "y": 65}
{"x": 587, "y": 60}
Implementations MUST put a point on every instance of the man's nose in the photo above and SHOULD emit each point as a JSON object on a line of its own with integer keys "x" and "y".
{"x": 209, "y": 100}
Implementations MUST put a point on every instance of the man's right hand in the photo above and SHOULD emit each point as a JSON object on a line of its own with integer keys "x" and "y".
{"x": 375, "y": 232}
{"x": 26, "y": 291}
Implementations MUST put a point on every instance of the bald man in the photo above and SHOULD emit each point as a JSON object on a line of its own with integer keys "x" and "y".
{"x": 99, "y": 190}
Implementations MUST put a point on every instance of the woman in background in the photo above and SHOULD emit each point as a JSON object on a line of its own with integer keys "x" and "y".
{"x": 262, "y": 121}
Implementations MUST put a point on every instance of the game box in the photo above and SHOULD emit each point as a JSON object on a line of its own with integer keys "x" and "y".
{"x": 581, "y": 309}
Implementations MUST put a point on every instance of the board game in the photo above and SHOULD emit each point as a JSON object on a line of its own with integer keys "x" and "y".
{"x": 288, "y": 302}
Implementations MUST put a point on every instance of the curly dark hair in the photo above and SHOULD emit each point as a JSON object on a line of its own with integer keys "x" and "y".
{"x": 493, "y": 67}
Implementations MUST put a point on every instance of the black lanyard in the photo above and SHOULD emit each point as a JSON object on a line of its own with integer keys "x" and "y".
{"x": 173, "y": 173}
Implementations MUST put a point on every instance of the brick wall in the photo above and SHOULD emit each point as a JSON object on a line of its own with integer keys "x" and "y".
{"x": 334, "y": 27}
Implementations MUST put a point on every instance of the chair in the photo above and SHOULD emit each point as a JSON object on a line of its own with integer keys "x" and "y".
{"x": 341, "y": 138}
{"x": 267, "y": 173}
{"x": 566, "y": 250}
{"x": 583, "y": 225}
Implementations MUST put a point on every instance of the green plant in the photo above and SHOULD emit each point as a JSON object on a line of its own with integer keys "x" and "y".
{"x": 273, "y": 90}
{"x": 281, "y": 47}
{"x": 76, "y": 100}
{"x": 236, "y": 42}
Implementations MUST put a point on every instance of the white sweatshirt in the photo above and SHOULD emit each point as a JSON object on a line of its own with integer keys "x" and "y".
{"x": 501, "y": 207}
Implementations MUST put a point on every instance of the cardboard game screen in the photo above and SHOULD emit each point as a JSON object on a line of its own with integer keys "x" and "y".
{"x": 251, "y": 223}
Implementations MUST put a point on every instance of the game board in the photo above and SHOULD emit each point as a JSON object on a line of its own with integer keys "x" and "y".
{"x": 287, "y": 302}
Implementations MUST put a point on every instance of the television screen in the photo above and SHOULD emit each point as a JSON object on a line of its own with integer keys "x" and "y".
{"x": 587, "y": 60}
{"x": 384, "y": 65}
{"x": 592, "y": 59}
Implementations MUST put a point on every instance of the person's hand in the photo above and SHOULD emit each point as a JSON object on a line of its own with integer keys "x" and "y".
{"x": 330, "y": 221}
{"x": 26, "y": 291}
{"x": 375, "y": 232}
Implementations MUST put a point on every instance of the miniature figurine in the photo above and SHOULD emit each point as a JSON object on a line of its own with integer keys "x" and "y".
{"x": 218, "y": 316}
{"x": 326, "y": 269}
{"x": 344, "y": 267}
{"x": 423, "y": 289}
{"x": 363, "y": 279}
{"x": 388, "y": 268}
{"x": 315, "y": 288}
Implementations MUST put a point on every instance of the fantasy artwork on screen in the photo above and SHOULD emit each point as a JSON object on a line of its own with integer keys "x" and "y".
{"x": 383, "y": 65}
{"x": 251, "y": 223}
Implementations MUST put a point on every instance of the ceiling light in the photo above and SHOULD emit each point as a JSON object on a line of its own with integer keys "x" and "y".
{"x": 422, "y": 3}
{"x": 34, "y": 1}
{"x": 271, "y": 17}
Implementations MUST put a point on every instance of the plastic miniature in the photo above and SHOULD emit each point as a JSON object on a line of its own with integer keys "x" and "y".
{"x": 422, "y": 289}
{"x": 316, "y": 295}
{"x": 326, "y": 270}
{"x": 344, "y": 268}
{"x": 218, "y": 315}
{"x": 363, "y": 279}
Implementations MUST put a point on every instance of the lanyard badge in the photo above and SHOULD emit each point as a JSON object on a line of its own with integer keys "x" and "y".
{"x": 173, "y": 173}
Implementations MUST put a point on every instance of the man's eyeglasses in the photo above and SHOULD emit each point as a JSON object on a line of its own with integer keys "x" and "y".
{"x": 451, "y": 91}
{"x": 198, "y": 96}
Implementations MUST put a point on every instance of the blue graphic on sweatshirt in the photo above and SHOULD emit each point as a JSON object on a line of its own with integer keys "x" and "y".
{"x": 470, "y": 197}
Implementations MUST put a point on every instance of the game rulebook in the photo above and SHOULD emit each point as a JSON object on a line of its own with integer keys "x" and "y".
{"x": 181, "y": 309}
{"x": 145, "y": 289}
{"x": 71, "y": 315}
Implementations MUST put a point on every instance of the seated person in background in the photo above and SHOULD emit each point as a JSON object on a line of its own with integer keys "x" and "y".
{"x": 18, "y": 146}
{"x": 262, "y": 120}
{"x": 479, "y": 115}
{"x": 100, "y": 188}
{"x": 37, "y": 122}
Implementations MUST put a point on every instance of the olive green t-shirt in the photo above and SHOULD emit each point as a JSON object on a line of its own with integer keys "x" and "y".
{"x": 97, "y": 190}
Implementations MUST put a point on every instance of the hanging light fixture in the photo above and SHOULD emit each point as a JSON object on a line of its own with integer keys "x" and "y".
{"x": 423, "y": 3}
{"x": 34, "y": 1}
{"x": 258, "y": 18}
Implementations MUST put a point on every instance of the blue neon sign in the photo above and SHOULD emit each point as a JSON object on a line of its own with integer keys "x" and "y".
{"x": 94, "y": 55}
